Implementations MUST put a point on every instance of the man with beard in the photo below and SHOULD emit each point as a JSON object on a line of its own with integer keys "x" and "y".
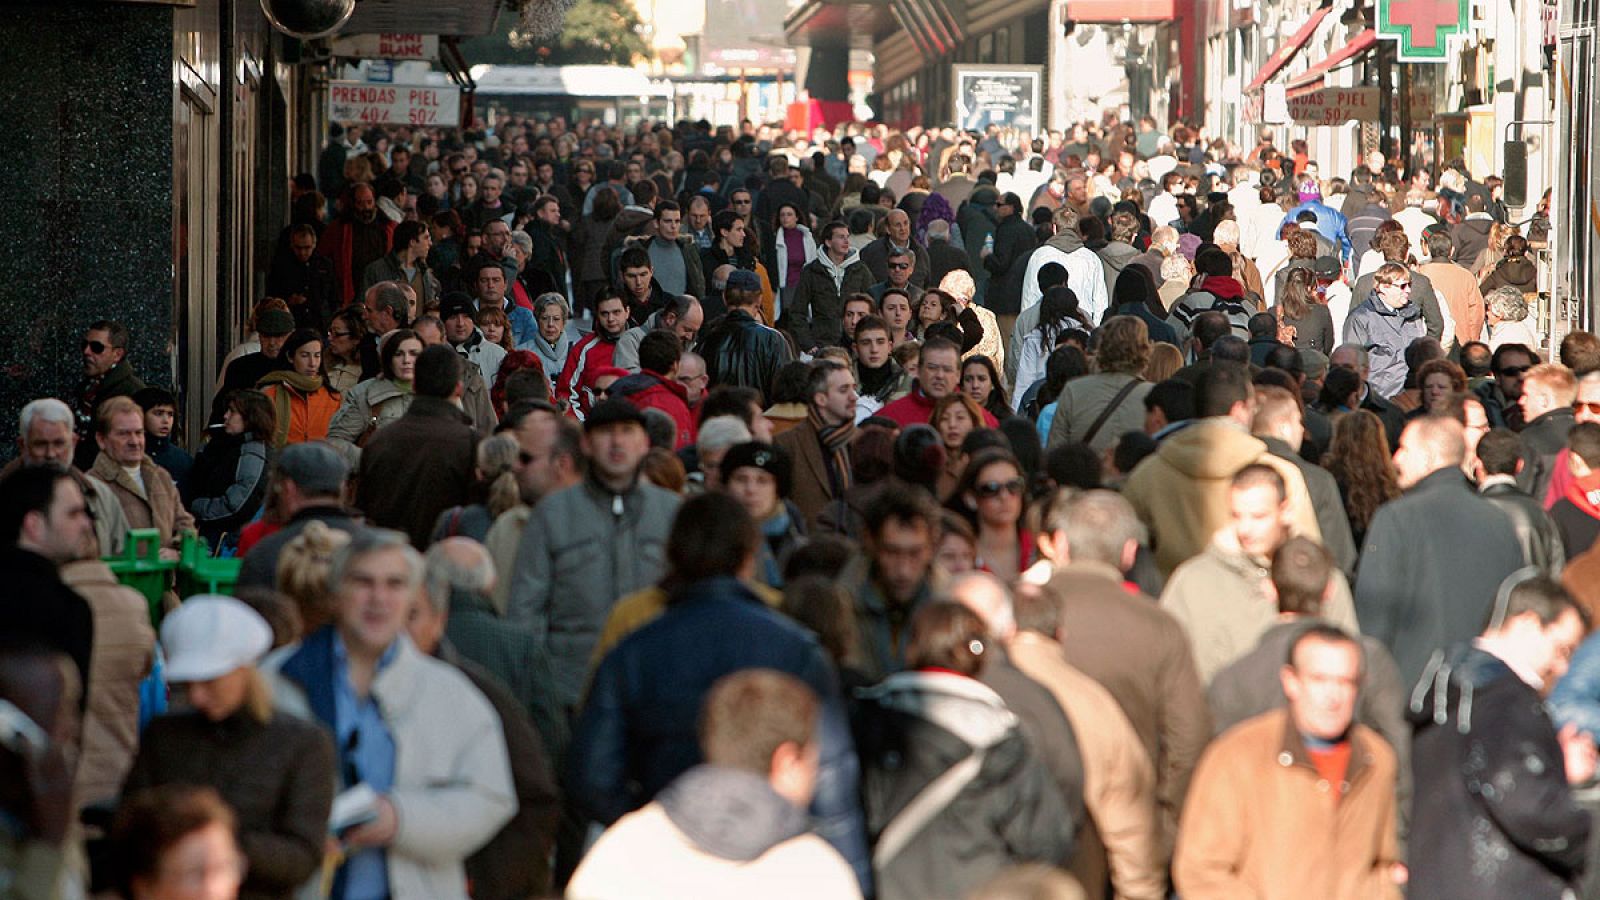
{"x": 355, "y": 240}
{"x": 304, "y": 280}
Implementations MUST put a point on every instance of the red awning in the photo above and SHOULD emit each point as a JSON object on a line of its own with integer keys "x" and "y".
{"x": 1313, "y": 76}
{"x": 1288, "y": 49}
{"x": 1113, "y": 11}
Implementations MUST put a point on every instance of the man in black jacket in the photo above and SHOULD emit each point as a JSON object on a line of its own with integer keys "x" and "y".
{"x": 1007, "y": 263}
{"x": 1548, "y": 391}
{"x": 896, "y": 234}
{"x": 304, "y": 279}
{"x": 1494, "y": 813}
{"x": 44, "y": 524}
{"x": 422, "y": 464}
{"x": 737, "y": 348}
{"x": 1500, "y": 460}
{"x": 106, "y": 374}
{"x": 1434, "y": 557}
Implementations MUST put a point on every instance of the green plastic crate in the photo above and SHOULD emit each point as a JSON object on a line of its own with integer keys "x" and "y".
{"x": 141, "y": 567}
{"x": 200, "y": 573}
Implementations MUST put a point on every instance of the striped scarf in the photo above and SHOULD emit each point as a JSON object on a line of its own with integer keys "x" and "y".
{"x": 836, "y": 450}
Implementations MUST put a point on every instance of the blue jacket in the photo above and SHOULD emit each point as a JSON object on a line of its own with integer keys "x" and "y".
{"x": 1385, "y": 333}
{"x": 1576, "y": 698}
{"x": 638, "y": 729}
{"x": 1331, "y": 223}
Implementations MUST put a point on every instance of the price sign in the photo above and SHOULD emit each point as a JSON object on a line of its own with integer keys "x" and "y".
{"x": 394, "y": 104}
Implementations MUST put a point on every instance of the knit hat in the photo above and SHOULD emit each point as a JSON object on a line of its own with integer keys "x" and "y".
{"x": 756, "y": 455}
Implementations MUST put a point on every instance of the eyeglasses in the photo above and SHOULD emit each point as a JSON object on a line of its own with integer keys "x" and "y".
{"x": 1402, "y": 285}
{"x": 1592, "y": 409}
{"x": 991, "y": 489}
{"x": 95, "y": 347}
{"x": 601, "y": 392}
{"x": 899, "y": 265}
{"x": 1513, "y": 371}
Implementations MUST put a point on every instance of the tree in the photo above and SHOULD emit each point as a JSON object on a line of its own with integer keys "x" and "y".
{"x": 595, "y": 32}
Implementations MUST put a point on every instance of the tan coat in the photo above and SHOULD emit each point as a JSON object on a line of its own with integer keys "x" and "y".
{"x": 1458, "y": 287}
{"x": 809, "y": 488}
{"x": 1181, "y": 490}
{"x": 1261, "y": 823}
{"x": 1119, "y": 782}
{"x": 1220, "y": 599}
{"x": 1139, "y": 654}
{"x": 157, "y": 506}
{"x": 123, "y": 644}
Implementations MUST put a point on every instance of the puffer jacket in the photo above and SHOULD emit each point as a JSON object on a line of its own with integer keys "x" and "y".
{"x": 1494, "y": 816}
{"x": 1385, "y": 333}
{"x": 582, "y": 549}
{"x": 1181, "y": 491}
{"x": 913, "y": 728}
{"x": 815, "y": 315}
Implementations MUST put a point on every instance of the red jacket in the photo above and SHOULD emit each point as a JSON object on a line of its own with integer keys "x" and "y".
{"x": 335, "y": 244}
{"x": 647, "y": 390}
{"x": 916, "y": 408}
{"x": 586, "y": 357}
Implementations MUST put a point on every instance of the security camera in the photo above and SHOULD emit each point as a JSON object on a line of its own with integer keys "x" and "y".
{"x": 308, "y": 19}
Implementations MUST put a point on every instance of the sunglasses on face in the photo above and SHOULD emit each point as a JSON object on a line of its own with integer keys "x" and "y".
{"x": 1513, "y": 371}
{"x": 338, "y": 334}
{"x": 95, "y": 347}
{"x": 899, "y": 266}
{"x": 458, "y": 172}
{"x": 991, "y": 489}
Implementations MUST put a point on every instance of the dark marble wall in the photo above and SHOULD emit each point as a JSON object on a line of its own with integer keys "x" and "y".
{"x": 86, "y": 97}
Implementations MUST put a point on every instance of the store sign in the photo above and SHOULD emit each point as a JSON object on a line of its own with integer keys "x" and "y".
{"x": 399, "y": 45}
{"x": 1421, "y": 29}
{"x": 1333, "y": 106}
{"x": 1007, "y": 96}
{"x": 394, "y": 104}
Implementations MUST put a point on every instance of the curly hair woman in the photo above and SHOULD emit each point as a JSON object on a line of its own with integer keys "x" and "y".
{"x": 1359, "y": 460}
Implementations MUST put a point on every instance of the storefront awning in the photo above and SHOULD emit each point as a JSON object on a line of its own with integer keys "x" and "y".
{"x": 854, "y": 23}
{"x": 1287, "y": 50}
{"x": 1114, "y": 11}
{"x": 1312, "y": 77}
{"x": 462, "y": 18}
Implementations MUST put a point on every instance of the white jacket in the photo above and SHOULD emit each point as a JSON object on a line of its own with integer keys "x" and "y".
{"x": 782, "y": 251}
{"x": 452, "y": 781}
{"x": 1086, "y": 275}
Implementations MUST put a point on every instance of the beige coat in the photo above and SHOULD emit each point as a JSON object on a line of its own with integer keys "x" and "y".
{"x": 1122, "y": 839}
{"x": 504, "y": 536}
{"x": 1220, "y": 598}
{"x": 1261, "y": 822}
{"x": 156, "y": 506}
{"x": 123, "y": 645}
{"x": 1181, "y": 491}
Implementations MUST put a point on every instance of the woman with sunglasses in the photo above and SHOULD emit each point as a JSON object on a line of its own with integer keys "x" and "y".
{"x": 992, "y": 495}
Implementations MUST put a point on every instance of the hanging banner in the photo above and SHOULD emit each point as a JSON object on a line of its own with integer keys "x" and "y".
{"x": 1421, "y": 29}
{"x": 394, "y": 104}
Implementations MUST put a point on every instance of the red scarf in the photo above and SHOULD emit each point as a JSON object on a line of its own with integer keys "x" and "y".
{"x": 1223, "y": 286}
{"x": 1584, "y": 493}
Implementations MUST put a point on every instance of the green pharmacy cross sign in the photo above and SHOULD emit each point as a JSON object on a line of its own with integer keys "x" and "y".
{"x": 1421, "y": 28}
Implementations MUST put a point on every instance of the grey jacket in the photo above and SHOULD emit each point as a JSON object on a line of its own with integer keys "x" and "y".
{"x": 584, "y": 548}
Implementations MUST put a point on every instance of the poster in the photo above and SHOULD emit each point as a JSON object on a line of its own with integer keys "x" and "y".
{"x": 1007, "y": 96}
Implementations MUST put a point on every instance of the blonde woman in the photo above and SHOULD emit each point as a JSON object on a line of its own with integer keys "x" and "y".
{"x": 302, "y": 574}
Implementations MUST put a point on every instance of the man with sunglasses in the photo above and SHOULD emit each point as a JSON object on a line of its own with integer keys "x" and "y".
{"x": 901, "y": 264}
{"x": 1384, "y": 325}
{"x": 896, "y": 236}
{"x": 107, "y": 374}
{"x": 1502, "y": 394}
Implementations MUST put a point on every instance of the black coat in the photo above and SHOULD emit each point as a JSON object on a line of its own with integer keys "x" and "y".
{"x": 1014, "y": 241}
{"x": 38, "y": 605}
{"x": 312, "y": 280}
{"x": 945, "y": 257}
{"x": 418, "y": 467}
{"x": 738, "y": 350}
{"x": 1431, "y": 564}
{"x": 1543, "y": 439}
{"x": 276, "y": 776}
{"x": 1537, "y": 534}
{"x": 1493, "y": 815}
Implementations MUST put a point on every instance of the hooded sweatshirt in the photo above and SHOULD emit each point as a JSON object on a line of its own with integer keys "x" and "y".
{"x": 836, "y": 270}
{"x": 1181, "y": 491}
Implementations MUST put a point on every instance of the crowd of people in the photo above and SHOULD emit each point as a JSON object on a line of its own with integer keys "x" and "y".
{"x": 692, "y": 512}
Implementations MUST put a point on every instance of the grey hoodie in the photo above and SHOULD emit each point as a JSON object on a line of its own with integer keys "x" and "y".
{"x": 730, "y": 813}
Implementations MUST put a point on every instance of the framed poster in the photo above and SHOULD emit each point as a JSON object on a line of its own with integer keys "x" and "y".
{"x": 1007, "y": 96}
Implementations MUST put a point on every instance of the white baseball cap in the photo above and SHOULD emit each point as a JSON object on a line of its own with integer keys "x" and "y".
{"x": 210, "y": 635}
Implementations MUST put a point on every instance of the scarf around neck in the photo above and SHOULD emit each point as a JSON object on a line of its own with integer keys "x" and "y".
{"x": 836, "y": 446}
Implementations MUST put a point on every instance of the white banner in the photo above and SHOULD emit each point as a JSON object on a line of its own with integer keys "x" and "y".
{"x": 388, "y": 46}
{"x": 394, "y": 104}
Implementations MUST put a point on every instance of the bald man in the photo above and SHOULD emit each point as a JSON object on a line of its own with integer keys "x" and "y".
{"x": 896, "y": 235}
{"x": 1435, "y": 557}
{"x": 1121, "y": 841}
